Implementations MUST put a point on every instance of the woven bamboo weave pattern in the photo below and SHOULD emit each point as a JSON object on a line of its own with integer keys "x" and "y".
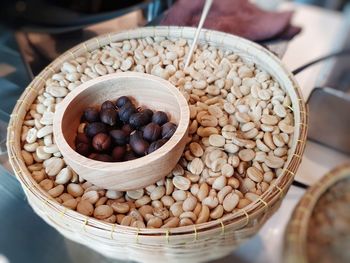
{"x": 189, "y": 243}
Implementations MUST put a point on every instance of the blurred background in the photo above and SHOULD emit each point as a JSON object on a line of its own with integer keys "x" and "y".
{"x": 35, "y": 32}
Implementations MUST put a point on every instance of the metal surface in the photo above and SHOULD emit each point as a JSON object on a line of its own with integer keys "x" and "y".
{"x": 330, "y": 118}
{"x": 329, "y": 105}
{"x": 338, "y": 76}
{"x": 38, "y": 49}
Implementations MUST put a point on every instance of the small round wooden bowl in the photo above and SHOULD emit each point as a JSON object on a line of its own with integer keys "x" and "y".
{"x": 149, "y": 91}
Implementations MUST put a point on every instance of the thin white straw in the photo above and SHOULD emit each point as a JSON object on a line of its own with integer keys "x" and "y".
{"x": 205, "y": 12}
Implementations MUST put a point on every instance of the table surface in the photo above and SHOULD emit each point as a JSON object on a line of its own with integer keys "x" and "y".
{"x": 322, "y": 32}
{"x": 25, "y": 236}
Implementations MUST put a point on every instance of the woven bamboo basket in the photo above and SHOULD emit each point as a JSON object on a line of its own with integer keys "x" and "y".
{"x": 197, "y": 243}
{"x": 295, "y": 243}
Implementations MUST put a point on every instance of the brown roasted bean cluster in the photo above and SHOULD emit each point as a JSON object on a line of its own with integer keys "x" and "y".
{"x": 119, "y": 131}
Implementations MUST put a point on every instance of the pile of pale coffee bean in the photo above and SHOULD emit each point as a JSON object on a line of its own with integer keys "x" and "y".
{"x": 240, "y": 134}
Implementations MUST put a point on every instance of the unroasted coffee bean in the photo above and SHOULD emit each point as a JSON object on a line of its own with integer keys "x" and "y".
{"x": 94, "y": 128}
{"x": 109, "y": 116}
{"x": 168, "y": 130}
{"x": 160, "y": 117}
{"x": 107, "y": 105}
{"x": 126, "y": 111}
{"x": 152, "y": 132}
{"x": 91, "y": 114}
{"x": 119, "y": 137}
{"x": 83, "y": 148}
{"x": 156, "y": 145}
{"x": 138, "y": 144}
{"x": 86, "y": 208}
{"x": 139, "y": 119}
{"x": 101, "y": 142}
{"x": 122, "y": 101}
{"x": 127, "y": 129}
{"x": 118, "y": 153}
{"x": 102, "y": 158}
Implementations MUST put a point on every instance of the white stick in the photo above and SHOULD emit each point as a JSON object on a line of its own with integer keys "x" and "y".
{"x": 205, "y": 12}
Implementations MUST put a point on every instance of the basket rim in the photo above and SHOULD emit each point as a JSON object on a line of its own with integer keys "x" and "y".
{"x": 295, "y": 239}
{"x": 240, "y": 218}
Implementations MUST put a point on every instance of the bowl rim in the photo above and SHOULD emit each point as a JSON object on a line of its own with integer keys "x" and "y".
{"x": 67, "y": 150}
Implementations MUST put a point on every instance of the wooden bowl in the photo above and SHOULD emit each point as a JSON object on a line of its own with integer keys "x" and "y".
{"x": 149, "y": 91}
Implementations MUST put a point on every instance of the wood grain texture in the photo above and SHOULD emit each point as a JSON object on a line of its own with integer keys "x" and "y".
{"x": 147, "y": 91}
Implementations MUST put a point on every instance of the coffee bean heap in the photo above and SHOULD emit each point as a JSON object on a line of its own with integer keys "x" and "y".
{"x": 121, "y": 132}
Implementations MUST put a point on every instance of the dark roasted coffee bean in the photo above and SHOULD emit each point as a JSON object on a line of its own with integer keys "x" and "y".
{"x": 82, "y": 137}
{"x": 139, "y": 119}
{"x": 94, "y": 128}
{"x": 109, "y": 116}
{"x": 148, "y": 112}
{"x": 92, "y": 156}
{"x": 138, "y": 144}
{"x": 156, "y": 145}
{"x": 122, "y": 101}
{"x": 107, "y": 105}
{"x": 136, "y": 135}
{"x": 152, "y": 132}
{"x": 91, "y": 114}
{"x": 126, "y": 111}
{"x": 118, "y": 153}
{"x": 168, "y": 130}
{"x": 142, "y": 128}
{"x": 160, "y": 117}
{"x": 129, "y": 156}
{"x": 103, "y": 158}
{"x": 101, "y": 142}
{"x": 120, "y": 132}
{"x": 119, "y": 137}
{"x": 82, "y": 148}
{"x": 127, "y": 129}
